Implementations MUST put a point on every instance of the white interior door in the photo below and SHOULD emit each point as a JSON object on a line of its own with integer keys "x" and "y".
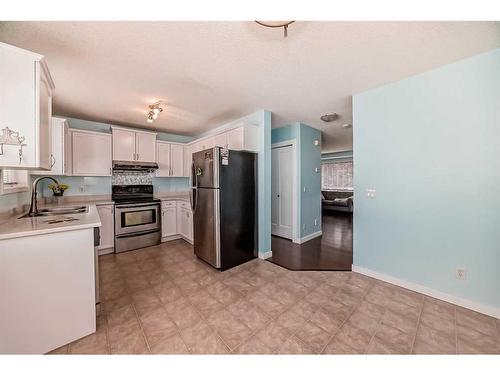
{"x": 282, "y": 192}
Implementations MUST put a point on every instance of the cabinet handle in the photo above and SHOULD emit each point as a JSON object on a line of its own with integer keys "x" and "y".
{"x": 110, "y": 172}
{"x": 137, "y": 157}
{"x": 52, "y": 161}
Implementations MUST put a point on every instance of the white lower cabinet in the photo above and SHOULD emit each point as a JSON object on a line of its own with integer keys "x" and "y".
{"x": 177, "y": 221}
{"x": 169, "y": 219}
{"x": 107, "y": 230}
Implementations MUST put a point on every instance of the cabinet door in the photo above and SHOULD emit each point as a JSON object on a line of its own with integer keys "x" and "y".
{"x": 145, "y": 147}
{"x": 17, "y": 75}
{"x": 188, "y": 152}
{"x": 235, "y": 139}
{"x": 163, "y": 159}
{"x": 168, "y": 221}
{"x": 68, "y": 151}
{"x": 177, "y": 160}
{"x": 123, "y": 145}
{"x": 57, "y": 158}
{"x": 207, "y": 143}
{"x": 91, "y": 154}
{"x": 189, "y": 215}
{"x": 107, "y": 229}
{"x": 44, "y": 119}
{"x": 220, "y": 140}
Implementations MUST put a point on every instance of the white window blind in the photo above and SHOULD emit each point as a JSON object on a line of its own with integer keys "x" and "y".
{"x": 336, "y": 176}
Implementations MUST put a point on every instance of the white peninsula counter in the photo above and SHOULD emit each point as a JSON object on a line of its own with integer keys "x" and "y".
{"x": 47, "y": 281}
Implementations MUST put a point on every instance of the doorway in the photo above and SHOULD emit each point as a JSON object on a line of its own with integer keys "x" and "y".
{"x": 282, "y": 191}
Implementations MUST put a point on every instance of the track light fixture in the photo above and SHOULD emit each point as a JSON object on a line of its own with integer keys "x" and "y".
{"x": 154, "y": 110}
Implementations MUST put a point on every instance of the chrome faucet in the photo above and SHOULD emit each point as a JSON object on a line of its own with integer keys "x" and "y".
{"x": 33, "y": 206}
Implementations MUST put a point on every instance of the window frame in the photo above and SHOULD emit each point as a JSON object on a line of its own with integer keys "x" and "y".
{"x": 6, "y": 189}
{"x": 338, "y": 188}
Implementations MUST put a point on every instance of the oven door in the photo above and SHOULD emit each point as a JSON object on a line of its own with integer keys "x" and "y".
{"x": 132, "y": 218}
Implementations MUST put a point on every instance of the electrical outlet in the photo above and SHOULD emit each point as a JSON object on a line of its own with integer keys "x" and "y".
{"x": 460, "y": 273}
{"x": 82, "y": 189}
{"x": 315, "y": 221}
{"x": 305, "y": 189}
{"x": 370, "y": 193}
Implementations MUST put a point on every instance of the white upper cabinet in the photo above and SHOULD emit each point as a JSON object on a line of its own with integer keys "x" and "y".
{"x": 177, "y": 159}
{"x": 243, "y": 138}
{"x": 123, "y": 144}
{"x": 170, "y": 159}
{"x": 91, "y": 153}
{"x": 163, "y": 159}
{"x": 133, "y": 145}
{"x": 145, "y": 147}
{"x": 58, "y": 155}
{"x": 220, "y": 140}
{"x": 68, "y": 151}
{"x": 26, "y": 107}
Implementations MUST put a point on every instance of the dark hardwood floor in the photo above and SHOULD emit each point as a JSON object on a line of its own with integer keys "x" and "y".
{"x": 332, "y": 251}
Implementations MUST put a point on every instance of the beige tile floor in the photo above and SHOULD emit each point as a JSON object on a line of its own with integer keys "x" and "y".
{"x": 163, "y": 300}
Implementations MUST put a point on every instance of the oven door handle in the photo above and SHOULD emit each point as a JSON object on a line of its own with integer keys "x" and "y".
{"x": 136, "y": 234}
{"x": 139, "y": 206}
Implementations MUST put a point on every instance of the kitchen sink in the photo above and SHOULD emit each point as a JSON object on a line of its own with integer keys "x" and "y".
{"x": 52, "y": 211}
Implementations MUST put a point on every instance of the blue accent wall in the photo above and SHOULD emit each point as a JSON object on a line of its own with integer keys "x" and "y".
{"x": 430, "y": 146}
{"x": 308, "y": 159}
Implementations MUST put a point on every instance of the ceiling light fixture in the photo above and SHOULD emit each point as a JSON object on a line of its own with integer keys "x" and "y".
{"x": 283, "y": 24}
{"x": 154, "y": 110}
{"x": 329, "y": 117}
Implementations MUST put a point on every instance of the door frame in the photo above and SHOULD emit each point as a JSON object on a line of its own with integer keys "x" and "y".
{"x": 295, "y": 177}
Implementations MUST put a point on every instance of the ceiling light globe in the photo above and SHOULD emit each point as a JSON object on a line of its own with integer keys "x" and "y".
{"x": 156, "y": 111}
{"x": 155, "y": 116}
{"x": 150, "y": 120}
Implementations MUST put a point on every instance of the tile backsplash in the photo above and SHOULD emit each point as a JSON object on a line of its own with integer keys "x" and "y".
{"x": 132, "y": 178}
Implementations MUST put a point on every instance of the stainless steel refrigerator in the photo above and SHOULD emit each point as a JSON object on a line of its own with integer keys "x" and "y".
{"x": 224, "y": 203}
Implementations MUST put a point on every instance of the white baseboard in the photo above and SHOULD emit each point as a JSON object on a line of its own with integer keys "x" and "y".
{"x": 308, "y": 237}
{"x": 171, "y": 238}
{"x": 468, "y": 304}
{"x": 176, "y": 237}
{"x": 109, "y": 250}
{"x": 266, "y": 255}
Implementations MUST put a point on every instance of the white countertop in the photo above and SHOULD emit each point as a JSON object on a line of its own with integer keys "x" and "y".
{"x": 14, "y": 227}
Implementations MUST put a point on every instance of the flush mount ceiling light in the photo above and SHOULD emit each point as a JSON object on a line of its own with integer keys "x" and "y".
{"x": 154, "y": 110}
{"x": 283, "y": 24}
{"x": 329, "y": 117}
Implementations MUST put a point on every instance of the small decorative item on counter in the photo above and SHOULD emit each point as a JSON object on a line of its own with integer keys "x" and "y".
{"x": 58, "y": 190}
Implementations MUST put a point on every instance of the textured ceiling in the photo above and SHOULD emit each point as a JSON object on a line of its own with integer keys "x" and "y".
{"x": 212, "y": 72}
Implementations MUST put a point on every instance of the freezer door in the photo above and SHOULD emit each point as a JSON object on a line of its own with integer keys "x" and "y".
{"x": 206, "y": 225}
{"x": 205, "y": 171}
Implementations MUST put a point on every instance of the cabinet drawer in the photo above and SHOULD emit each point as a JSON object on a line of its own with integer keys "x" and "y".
{"x": 184, "y": 204}
{"x": 165, "y": 204}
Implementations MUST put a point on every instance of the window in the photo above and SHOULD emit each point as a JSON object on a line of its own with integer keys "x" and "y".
{"x": 14, "y": 181}
{"x": 336, "y": 175}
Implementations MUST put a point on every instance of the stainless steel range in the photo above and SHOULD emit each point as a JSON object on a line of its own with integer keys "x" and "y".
{"x": 137, "y": 217}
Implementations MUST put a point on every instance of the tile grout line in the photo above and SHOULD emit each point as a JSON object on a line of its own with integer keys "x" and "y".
{"x": 417, "y": 325}
{"x": 344, "y": 322}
